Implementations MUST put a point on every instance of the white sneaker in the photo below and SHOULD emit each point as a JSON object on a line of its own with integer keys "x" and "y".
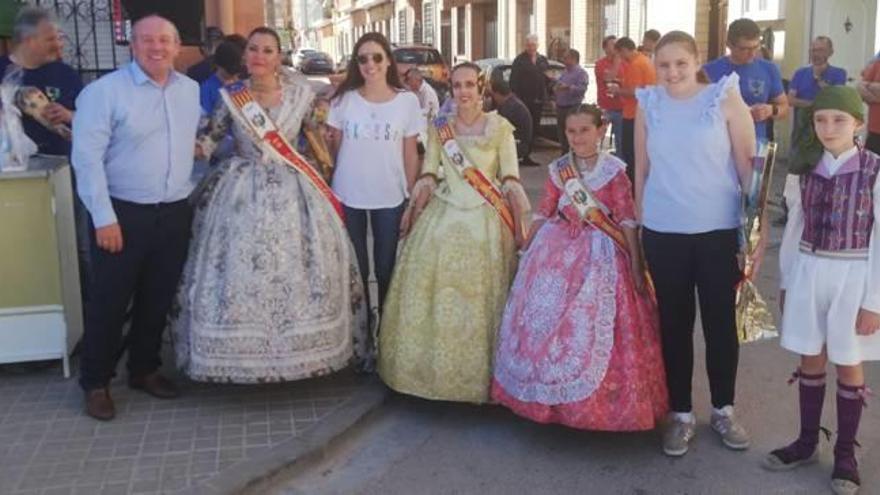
{"x": 732, "y": 434}
{"x": 677, "y": 435}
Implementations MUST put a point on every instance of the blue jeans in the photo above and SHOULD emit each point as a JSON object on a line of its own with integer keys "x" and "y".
{"x": 385, "y": 223}
{"x": 616, "y": 118}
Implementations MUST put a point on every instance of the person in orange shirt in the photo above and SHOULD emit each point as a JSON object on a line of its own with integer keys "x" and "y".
{"x": 869, "y": 89}
{"x": 637, "y": 73}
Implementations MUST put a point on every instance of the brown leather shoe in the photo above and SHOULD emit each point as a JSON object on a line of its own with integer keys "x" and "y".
{"x": 154, "y": 384}
{"x": 99, "y": 405}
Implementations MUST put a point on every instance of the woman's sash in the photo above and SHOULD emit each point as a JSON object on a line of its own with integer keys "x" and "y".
{"x": 241, "y": 103}
{"x": 471, "y": 174}
{"x": 589, "y": 208}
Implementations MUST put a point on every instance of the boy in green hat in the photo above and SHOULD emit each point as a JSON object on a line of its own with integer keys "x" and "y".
{"x": 830, "y": 283}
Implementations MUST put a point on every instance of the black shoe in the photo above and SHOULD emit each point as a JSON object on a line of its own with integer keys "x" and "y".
{"x": 528, "y": 162}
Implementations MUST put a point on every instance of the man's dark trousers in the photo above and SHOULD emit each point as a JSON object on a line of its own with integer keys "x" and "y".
{"x": 629, "y": 148}
{"x": 535, "y": 108}
{"x": 146, "y": 272}
{"x": 873, "y": 142}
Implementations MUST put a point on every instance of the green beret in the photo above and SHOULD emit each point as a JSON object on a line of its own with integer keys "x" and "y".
{"x": 807, "y": 151}
{"x": 843, "y": 98}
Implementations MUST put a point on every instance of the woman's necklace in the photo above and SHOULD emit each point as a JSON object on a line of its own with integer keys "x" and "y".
{"x": 266, "y": 87}
{"x": 265, "y": 93}
{"x": 466, "y": 127}
{"x": 587, "y": 162}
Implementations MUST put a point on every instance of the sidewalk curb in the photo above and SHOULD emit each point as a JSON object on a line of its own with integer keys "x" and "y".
{"x": 250, "y": 473}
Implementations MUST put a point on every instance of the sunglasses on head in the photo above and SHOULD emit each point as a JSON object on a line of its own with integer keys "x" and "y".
{"x": 364, "y": 58}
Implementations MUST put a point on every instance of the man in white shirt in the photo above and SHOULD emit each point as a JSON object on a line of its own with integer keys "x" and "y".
{"x": 428, "y": 100}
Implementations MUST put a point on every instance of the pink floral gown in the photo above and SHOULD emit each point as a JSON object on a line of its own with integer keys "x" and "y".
{"x": 578, "y": 345}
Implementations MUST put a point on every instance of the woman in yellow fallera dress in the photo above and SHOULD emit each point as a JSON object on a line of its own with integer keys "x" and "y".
{"x": 450, "y": 284}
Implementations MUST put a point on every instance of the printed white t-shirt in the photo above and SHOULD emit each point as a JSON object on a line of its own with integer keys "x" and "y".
{"x": 369, "y": 166}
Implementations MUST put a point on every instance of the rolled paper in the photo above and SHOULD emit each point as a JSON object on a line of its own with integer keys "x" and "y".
{"x": 754, "y": 320}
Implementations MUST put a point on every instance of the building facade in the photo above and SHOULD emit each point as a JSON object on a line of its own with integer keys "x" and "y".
{"x": 476, "y": 29}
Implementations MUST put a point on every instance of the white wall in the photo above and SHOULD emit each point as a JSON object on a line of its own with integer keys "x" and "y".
{"x": 877, "y": 31}
{"x": 670, "y": 15}
{"x": 773, "y": 9}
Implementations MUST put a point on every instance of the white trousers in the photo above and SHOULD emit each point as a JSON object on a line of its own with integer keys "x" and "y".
{"x": 821, "y": 306}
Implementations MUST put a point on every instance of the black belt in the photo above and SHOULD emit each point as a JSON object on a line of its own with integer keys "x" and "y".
{"x": 150, "y": 206}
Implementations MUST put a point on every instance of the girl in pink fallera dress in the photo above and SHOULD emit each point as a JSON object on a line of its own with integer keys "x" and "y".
{"x": 579, "y": 342}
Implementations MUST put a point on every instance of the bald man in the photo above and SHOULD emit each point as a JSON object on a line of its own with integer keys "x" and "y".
{"x": 133, "y": 142}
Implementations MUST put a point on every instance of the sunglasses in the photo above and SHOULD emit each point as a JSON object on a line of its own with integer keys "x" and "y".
{"x": 364, "y": 58}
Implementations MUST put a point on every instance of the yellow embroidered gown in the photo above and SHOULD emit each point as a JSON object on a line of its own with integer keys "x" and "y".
{"x": 451, "y": 280}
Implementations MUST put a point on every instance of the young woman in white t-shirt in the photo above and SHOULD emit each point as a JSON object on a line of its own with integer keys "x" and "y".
{"x": 374, "y": 124}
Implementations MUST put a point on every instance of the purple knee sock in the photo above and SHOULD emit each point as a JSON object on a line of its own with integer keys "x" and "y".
{"x": 850, "y": 401}
{"x": 812, "y": 396}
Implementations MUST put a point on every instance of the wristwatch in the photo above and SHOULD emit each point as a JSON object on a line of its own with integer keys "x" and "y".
{"x": 775, "y": 109}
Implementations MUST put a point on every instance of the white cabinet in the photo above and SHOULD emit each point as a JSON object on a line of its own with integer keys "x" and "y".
{"x": 40, "y": 304}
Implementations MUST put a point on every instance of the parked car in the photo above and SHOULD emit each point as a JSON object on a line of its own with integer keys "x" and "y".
{"x": 298, "y": 56}
{"x": 499, "y": 68}
{"x": 429, "y": 61}
{"x": 316, "y": 63}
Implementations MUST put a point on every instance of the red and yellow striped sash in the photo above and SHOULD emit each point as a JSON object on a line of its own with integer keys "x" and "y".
{"x": 471, "y": 174}
{"x": 240, "y": 101}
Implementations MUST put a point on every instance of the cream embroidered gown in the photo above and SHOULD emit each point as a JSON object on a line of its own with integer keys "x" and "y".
{"x": 271, "y": 289}
{"x": 451, "y": 280}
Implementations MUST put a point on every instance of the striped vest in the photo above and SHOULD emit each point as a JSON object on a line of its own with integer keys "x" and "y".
{"x": 839, "y": 209}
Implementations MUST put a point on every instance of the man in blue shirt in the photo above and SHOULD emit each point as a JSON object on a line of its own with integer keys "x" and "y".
{"x": 760, "y": 81}
{"x": 133, "y": 145}
{"x": 569, "y": 91}
{"x": 202, "y": 70}
{"x": 36, "y": 47}
{"x": 229, "y": 60}
{"x": 807, "y": 81}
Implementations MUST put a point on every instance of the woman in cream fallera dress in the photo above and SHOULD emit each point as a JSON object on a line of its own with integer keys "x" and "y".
{"x": 271, "y": 290}
{"x": 451, "y": 281}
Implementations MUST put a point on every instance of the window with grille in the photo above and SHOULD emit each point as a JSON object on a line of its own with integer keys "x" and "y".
{"x": 401, "y": 26}
{"x": 428, "y": 23}
{"x": 460, "y": 28}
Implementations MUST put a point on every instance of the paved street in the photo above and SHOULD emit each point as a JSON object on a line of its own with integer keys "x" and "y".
{"x": 49, "y": 446}
{"x": 417, "y": 446}
{"x": 216, "y": 438}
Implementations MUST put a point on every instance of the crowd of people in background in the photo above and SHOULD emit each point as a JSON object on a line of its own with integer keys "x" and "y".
{"x": 584, "y": 317}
